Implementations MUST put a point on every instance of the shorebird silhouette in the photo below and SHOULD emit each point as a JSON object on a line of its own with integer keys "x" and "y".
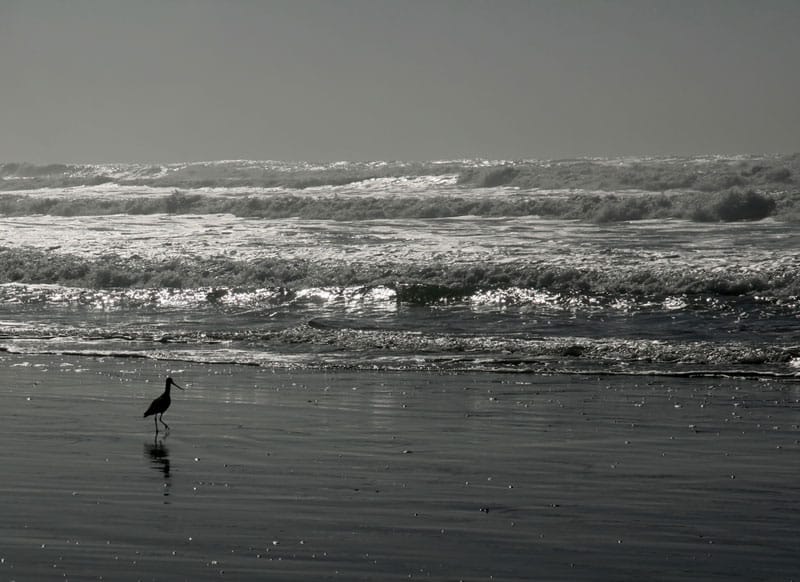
{"x": 159, "y": 406}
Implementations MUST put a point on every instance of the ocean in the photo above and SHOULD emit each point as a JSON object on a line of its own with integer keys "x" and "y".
{"x": 682, "y": 266}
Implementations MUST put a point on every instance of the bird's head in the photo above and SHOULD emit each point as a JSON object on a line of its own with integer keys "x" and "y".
{"x": 171, "y": 382}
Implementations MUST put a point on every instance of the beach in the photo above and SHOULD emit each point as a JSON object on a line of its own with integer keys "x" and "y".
{"x": 454, "y": 291}
{"x": 312, "y": 475}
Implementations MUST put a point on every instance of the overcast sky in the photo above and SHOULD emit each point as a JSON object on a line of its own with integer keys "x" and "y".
{"x": 178, "y": 80}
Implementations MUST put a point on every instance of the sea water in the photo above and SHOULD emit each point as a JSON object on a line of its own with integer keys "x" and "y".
{"x": 681, "y": 266}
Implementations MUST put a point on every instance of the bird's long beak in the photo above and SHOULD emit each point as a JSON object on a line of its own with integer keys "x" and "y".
{"x": 176, "y": 386}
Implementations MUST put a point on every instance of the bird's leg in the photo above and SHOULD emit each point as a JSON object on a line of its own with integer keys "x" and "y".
{"x": 161, "y": 418}
{"x": 155, "y": 422}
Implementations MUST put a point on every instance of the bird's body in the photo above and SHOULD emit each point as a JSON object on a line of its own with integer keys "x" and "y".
{"x": 159, "y": 406}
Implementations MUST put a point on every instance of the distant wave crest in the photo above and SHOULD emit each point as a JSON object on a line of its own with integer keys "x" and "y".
{"x": 708, "y": 174}
{"x": 699, "y": 189}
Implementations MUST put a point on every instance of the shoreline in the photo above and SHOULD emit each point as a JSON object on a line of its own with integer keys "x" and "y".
{"x": 357, "y": 475}
{"x": 441, "y": 364}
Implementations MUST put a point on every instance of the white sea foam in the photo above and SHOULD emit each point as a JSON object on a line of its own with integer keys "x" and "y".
{"x": 402, "y": 264}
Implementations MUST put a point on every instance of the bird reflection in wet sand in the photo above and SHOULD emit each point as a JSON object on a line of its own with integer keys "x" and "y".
{"x": 158, "y": 453}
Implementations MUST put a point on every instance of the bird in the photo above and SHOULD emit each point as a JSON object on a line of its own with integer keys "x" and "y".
{"x": 159, "y": 406}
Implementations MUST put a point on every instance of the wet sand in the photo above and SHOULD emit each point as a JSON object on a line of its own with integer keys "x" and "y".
{"x": 278, "y": 475}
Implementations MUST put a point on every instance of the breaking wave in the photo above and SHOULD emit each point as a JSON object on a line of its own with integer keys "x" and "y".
{"x": 437, "y": 282}
{"x": 730, "y": 205}
{"x": 699, "y": 189}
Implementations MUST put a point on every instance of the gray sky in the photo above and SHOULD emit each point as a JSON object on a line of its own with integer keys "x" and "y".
{"x": 176, "y": 80}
